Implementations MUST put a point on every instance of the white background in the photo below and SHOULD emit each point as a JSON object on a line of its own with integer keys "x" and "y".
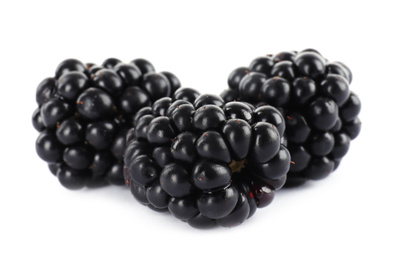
{"x": 350, "y": 215}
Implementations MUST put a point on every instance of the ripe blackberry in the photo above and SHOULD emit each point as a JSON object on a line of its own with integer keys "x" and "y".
{"x": 84, "y": 112}
{"x": 208, "y": 162}
{"x": 319, "y": 109}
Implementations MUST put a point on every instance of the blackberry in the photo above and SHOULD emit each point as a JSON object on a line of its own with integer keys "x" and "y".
{"x": 320, "y": 111}
{"x": 207, "y": 162}
{"x": 186, "y": 94}
{"x": 84, "y": 112}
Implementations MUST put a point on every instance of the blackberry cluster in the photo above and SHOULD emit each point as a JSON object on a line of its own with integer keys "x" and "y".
{"x": 206, "y": 161}
{"x": 320, "y": 111}
{"x": 84, "y": 112}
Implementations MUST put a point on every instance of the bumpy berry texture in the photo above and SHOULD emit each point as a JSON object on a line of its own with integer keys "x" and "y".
{"x": 84, "y": 112}
{"x": 320, "y": 111}
{"x": 206, "y": 161}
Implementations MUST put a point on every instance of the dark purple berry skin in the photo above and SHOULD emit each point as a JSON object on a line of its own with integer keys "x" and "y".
{"x": 352, "y": 128}
{"x": 341, "y": 146}
{"x": 144, "y": 169}
{"x": 71, "y": 178}
{"x": 48, "y": 147}
{"x": 53, "y": 112}
{"x": 310, "y": 64}
{"x": 262, "y": 64}
{"x": 277, "y": 167}
{"x": 37, "y": 120}
{"x": 95, "y": 104}
{"x": 202, "y": 222}
{"x": 311, "y": 50}
{"x": 197, "y": 157}
{"x": 142, "y": 126}
{"x": 93, "y": 182}
{"x": 70, "y": 131}
{"x": 45, "y": 90}
{"x": 337, "y": 69}
{"x": 160, "y": 131}
{"x": 182, "y": 117}
{"x": 245, "y": 188}
{"x": 110, "y": 63}
{"x": 340, "y": 68}
{"x": 173, "y": 80}
{"x": 337, "y": 126}
{"x": 187, "y": 94}
{"x": 157, "y": 196}
{"x": 236, "y": 76}
{"x": 118, "y": 145}
{"x": 313, "y": 95}
{"x": 115, "y": 174}
{"x": 157, "y": 85}
{"x": 275, "y": 184}
{"x": 211, "y": 145}
{"x": 295, "y": 179}
{"x": 130, "y": 135}
{"x": 175, "y": 180}
{"x": 143, "y": 65}
{"x": 264, "y": 195}
{"x": 208, "y": 99}
{"x": 136, "y": 148}
{"x": 284, "y": 56}
{"x": 101, "y": 163}
{"x": 78, "y": 157}
{"x": 139, "y": 192}
{"x": 297, "y": 129}
{"x": 321, "y": 143}
{"x": 133, "y": 99}
{"x": 238, "y": 110}
{"x": 348, "y": 71}
{"x": 276, "y": 91}
{"x": 161, "y": 106}
{"x": 183, "y": 208}
{"x": 239, "y": 214}
{"x": 92, "y": 69}
{"x": 208, "y": 175}
{"x": 129, "y": 73}
{"x": 336, "y": 88}
{"x": 284, "y": 69}
{"x": 162, "y": 155}
{"x": 183, "y": 147}
{"x": 270, "y": 115}
{"x": 53, "y": 167}
{"x": 322, "y": 113}
{"x": 300, "y": 157}
{"x": 70, "y": 85}
{"x": 229, "y": 95}
{"x": 251, "y": 85}
{"x": 238, "y": 134}
{"x": 141, "y": 112}
{"x": 208, "y": 117}
{"x": 100, "y": 134}
{"x": 266, "y": 142}
{"x": 109, "y": 81}
{"x": 176, "y": 104}
{"x": 302, "y": 90}
{"x": 319, "y": 168}
{"x": 351, "y": 108}
{"x": 219, "y": 204}
{"x": 68, "y": 66}
{"x": 337, "y": 163}
{"x": 84, "y": 113}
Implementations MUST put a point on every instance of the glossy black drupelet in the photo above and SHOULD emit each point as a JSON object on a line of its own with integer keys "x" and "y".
{"x": 84, "y": 112}
{"x": 208, "y": 162}
{"x": 320, "y": 111}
